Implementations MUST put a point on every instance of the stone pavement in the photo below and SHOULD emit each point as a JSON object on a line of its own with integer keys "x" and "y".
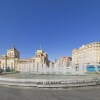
{"x": 20, "y": 93}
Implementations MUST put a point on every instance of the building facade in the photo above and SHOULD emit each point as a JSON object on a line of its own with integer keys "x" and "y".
{"x": 87, "y": 57}
{"x": 63, "y": 65}
{"x": 38, "y": 64}
{"x": 9, "y": 60}
{"x": 25, "y": 65}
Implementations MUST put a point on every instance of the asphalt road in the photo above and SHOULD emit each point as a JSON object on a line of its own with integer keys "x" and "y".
{"x": 18, "y": 93}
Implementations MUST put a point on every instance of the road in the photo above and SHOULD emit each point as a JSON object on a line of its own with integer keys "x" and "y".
{"x": 19, "y": 93}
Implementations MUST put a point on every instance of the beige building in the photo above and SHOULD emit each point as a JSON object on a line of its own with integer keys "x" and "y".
{"x": 63, "y": 65}
{"x": 12, "y": 62}
{"x": 41, "y": 57}
{"x": 41, "y": 61}
{"x": 37, "y": 64}
{"x": 25, "y": 65}
{"x": 64, "y": 61}
{"x": 9, "y": 60}
{"x": 85, "y": 56}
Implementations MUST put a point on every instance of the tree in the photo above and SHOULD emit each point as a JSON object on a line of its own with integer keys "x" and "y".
{"x": 8, "y": 69}
{"x": 1, "y": 70}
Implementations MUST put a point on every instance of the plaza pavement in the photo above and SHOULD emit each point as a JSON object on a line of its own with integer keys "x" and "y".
{"x": 20, "y": 93}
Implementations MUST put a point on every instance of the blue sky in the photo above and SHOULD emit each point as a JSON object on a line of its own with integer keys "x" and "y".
{"x": 57, "y": 25}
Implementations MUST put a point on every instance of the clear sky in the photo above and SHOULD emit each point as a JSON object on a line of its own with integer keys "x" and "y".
{"x": 57, "y": 25}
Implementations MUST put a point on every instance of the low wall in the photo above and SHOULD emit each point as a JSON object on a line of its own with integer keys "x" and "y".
{"x": 47, "y": 83}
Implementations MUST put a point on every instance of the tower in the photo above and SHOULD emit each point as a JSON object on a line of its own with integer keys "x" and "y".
{"x": 13, "y": 53}
{"x": 9, "y": 60}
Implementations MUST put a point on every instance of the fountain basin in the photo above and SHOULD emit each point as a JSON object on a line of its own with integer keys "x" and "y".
{"x": 49, "y": 81}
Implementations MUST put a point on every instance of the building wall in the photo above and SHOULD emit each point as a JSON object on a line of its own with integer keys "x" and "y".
{"x": 63, "y": 65}
{"x": 86, "y": 55}
{"x": 9, "y": 60}
{"x": 38, "y": 64}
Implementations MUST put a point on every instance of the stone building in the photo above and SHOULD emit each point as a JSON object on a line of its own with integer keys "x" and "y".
{"x": 26, "y": 65}
{"x": 37, "y": 64}
{"x": 41, "y": 61}
{"x": 12, "y": 62}
{"x": 63, "y": 65}
{"x": 9, "y": 60}
{"x": 87, "y": 57}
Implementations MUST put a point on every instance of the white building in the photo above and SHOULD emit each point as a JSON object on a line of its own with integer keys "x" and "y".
{"x": 87, "y": 57}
